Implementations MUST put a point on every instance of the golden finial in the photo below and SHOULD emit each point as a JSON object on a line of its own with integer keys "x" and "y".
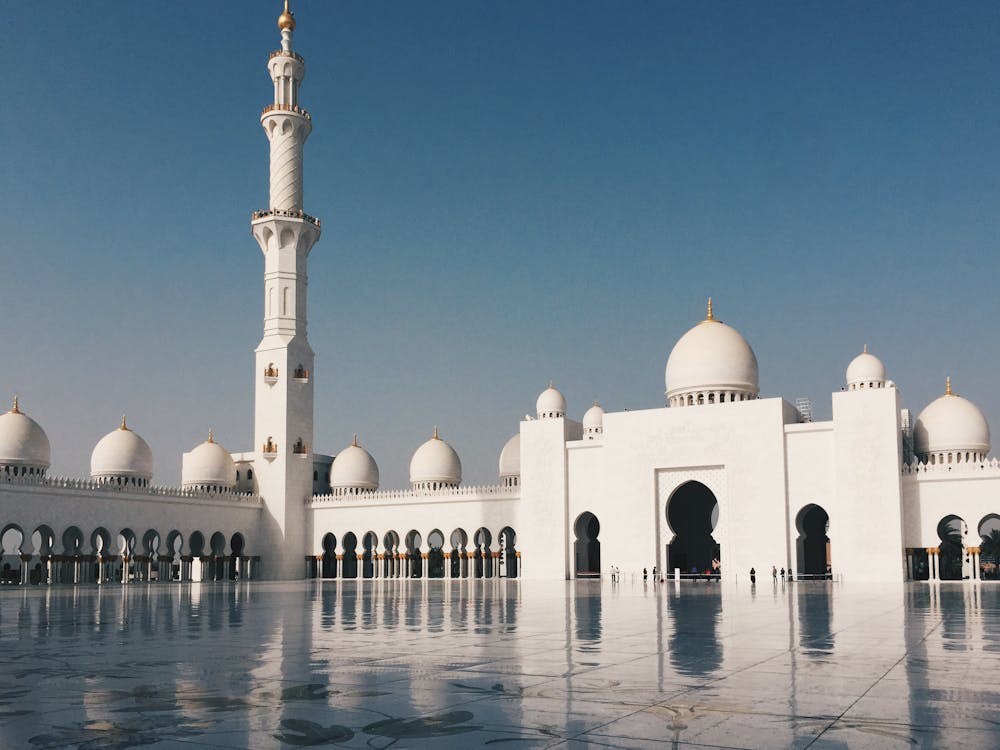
{"x": 287, "y": 19}
{"x": 14, "y": 409}
{"x": 211, "y": 435}
{"x": 436, "y": 433}
{"x": 595, "y": 402}
{"x": 550, "y": 384}
{"x": 124, "y": 426}
{"x": 865, "y": 350}
{"x": 355, "y": 443}
{"x": 947, "y": 386}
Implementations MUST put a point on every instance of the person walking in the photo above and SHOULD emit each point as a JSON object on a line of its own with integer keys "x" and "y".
{"x": 774, "y": 573}
{"x": 645, "y": 574}
{"x": 753, "y": 576}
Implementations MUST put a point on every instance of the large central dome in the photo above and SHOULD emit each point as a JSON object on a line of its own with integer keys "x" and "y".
{"x": 712, "y": 363}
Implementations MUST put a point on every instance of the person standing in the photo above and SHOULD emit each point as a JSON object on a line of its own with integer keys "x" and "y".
{"x": 753, "y": 576}
{"x": 645, "y": 574}
{"x": 782, "y": 575}
{"x": 774, "y": 573}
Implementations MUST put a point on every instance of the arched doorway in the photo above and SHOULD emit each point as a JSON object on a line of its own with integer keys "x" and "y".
{"x": 482, "y": 539}
{"x": 508, "y": 552}
{"x": 813, "y": 544}
{"x": 349, "y": 566}
{"x": 951, "y": 558}
{"x": 413, "y": 555}
{"x": 435, "y": 555}
{"x": 391, "y": 555}
{"x": 236, "y": 546}
{"x": 692, "y": 514}
{"x": 587, "y": 547}
{"x": 369, "y": 543}
{"x": 459, "y": 554}
{"x": 328, "y": 565}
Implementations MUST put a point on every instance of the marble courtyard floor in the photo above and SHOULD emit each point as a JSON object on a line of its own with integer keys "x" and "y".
{"x": 378, "y": 664}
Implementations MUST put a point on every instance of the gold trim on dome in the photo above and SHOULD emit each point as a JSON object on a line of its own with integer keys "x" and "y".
{"x": 435, "y": 433}
{"x": 709, "y": 314}
{"x": 14, "y": 409}
{"x": 211, "y": 436}
{"x": 123, "y": 426}
{"x": 865, "y": 350}
{"x": 947, "y": 386}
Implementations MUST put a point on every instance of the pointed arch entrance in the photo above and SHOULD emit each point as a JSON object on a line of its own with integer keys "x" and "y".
{"x": 813, "y": 543}
{"x": 692, "y": 515}
{"x": 952, "y": 562}
{"x": 587, "y": 547}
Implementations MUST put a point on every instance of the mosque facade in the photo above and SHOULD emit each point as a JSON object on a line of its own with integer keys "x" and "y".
{"x": 716, "y": 482}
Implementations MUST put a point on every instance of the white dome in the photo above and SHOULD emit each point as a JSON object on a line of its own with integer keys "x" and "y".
{"x": 22, "y": 441}
{"x": 593, "y": 420}
{"x": 712, "y": 358}
{"x": 208, "y": 465}
{"x": 550, "y": 403}
{"x": 122, "y": 454}
{"x": 435, "y": 463}
{"x": 951, "y": 424}
{"x": 865, "y": 371}
{"x": 354, "y": 468}
{"x": 510, "y": 457}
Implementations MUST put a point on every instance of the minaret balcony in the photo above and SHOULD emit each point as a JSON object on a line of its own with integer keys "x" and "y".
{"x": 270, "y": 450}
{"x": 291, "y": 214}
{"x": 286, "y": 53}
{"x": 294, "y": 108}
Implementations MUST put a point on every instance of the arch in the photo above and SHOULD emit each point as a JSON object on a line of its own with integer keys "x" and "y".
{"x": 390, "y": 542}
{"x": 196, "y": 543}
{"x": 175, "y": 543}
{"x": 989, "y": 546}
{"x": 100, "y": 542}
{"x": 11, "y": 541}
{"x": 587, "y": 547}
{"x": 72, "y": 541}
{"x": 286, "y": 238}
{"x": 349, "y": 566}
{"x": 483, "y": 555}
{"x": 435, "y": 554}
{"x": 217, "y": 543}
{"x": 692, "y": 515}
{"x": 459, "y": 554}
{"x": 42, "y": 540}
{"x": 237, "y": 544}
{"x": 413, "y": 554}
{"x": 328, "y": 568}
{"x": 952, "y": 562}
{"x": 151, "y": 542}
{"x": 813, "y": 543}
{"x": 507, "y": 539}
{"x": 369, "y": 543}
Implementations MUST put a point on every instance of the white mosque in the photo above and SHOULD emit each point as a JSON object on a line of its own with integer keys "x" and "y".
{"x": 715, "y": 483}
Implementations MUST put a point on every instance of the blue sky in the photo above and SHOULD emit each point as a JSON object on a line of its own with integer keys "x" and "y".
{"x": 511, "y": 192}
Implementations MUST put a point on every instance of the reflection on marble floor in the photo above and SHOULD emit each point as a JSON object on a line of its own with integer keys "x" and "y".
{"x": 390, "y": 663}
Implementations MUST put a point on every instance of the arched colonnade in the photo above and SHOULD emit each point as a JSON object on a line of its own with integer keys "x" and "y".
{"x": 481, "y": 554}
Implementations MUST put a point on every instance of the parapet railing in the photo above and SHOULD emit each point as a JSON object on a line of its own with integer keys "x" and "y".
{"x": 446, "y": 493}
{"x": 293, "y": 108}
{"x": 958, "y": 468}
{"x": 286, "y": 53}
{"x": 95, "y": 485}
{"x": 264, "y": 213}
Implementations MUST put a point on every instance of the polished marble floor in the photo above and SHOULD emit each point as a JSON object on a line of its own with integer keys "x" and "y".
{"x": 408, "y": 664}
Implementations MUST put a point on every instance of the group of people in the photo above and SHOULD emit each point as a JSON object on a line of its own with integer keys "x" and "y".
{"x": 774, "y": 574}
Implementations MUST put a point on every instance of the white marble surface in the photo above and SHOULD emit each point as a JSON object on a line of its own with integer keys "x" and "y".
{"x": 378, "y": 664}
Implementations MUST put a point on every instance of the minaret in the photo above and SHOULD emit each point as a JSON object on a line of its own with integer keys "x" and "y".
{"x": 283, "y": 380}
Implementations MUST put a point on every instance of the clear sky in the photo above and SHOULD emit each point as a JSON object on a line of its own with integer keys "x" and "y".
{"x": 511, "y": 192}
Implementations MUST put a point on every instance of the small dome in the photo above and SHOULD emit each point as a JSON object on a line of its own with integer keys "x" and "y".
{"x": 354, "y": 469}
{"x": 711, "y": 361}
{"x": 23, "y": 442}
{"x": 287, "y": 19}
{"x": 951, "y": 424}
{"x": 550, "y": 403}
{"x": 122, "y": 454}
{"x": 865, "y": 371}
{"x": 208, "y": 465}
{"x": 510, "y": 458}
{"x": 435, "y": 463}
{"x": 593, "y": 420}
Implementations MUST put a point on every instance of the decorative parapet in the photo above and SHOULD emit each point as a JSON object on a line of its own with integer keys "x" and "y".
{"x": 98, "y": 486}
{"x": 393, "y": 497}
{"x": 958, "y": 470}
{"x": 286, "y": 53}
{"x": 286, "y": 213}
{"x": 293, "y": 108}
